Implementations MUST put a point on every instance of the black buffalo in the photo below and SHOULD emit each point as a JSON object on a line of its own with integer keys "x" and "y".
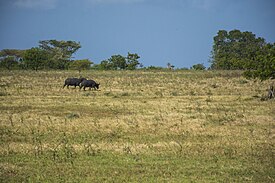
{"x": 73, "y": 82}
{"x": 90, "y": 84}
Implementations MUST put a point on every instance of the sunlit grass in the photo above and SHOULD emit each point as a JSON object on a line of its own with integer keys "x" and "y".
{"x": 141, "y": 126}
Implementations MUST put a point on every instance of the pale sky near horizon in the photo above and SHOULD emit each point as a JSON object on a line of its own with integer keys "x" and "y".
{"x": 160, "y": 31}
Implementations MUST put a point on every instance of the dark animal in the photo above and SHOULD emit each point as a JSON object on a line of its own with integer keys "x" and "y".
{"x": 271, "y": 92}
{"x": 90, "y": 84}
{"x": 73, "y": 82}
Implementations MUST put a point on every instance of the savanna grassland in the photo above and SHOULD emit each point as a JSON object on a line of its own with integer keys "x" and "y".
{"x": 141, "y": 126}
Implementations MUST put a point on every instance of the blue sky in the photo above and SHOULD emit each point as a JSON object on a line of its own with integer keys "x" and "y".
{"x": 160, "y": 31}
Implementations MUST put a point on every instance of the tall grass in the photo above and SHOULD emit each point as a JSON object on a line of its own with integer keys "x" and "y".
{"x": 141, "y": 126}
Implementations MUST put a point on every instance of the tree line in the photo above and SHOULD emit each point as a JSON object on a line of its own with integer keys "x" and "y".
{"x": 231, "y": 50}
{"x": 53, "y": 54}
{"x": 50, "y": 54}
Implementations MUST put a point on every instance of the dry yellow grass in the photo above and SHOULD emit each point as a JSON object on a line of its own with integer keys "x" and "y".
{"x": 213, "y": 122}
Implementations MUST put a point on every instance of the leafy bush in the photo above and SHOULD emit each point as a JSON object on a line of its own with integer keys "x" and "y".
{"x": 80, "y": 64}
{"x": 198, "y": 67}
{"x": 8, "y": 63}
{"x": 119, "y": 62}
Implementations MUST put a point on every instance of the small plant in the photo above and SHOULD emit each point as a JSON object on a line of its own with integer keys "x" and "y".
{"x": 90, "y": 150}
{"x": 3, "y": 93}
{"x": 215, "y": 85}
{"x": 37, "y": 142}
{"x": 159, "y": 93}
{"x": 125, "y": 94}
{"x": 192, "y": 93}
{"x": 127, "y": 149}
{"x": 86, "y": 94}
{"x": 208, "y": 99}
{"x": 243, "y": 81}
{"x": 73, "y": 116}
{"x": 174, "y": 93}
{"x": 64, "y": 151}
{"x": 108, "y": 93}
{"x": 180, "y": 149}
{"x": 11, "y": 120}
{"x": 209, "y": 93}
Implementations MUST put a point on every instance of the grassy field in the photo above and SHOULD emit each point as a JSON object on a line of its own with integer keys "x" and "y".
{"x": 142, "y": 126}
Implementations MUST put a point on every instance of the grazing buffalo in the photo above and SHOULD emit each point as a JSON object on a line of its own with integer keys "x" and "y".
{"x": 90, "y": 84}
{"x": 73, "y": 82}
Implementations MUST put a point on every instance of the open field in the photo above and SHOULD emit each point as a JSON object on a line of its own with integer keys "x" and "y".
{"x": 142, "y": 126}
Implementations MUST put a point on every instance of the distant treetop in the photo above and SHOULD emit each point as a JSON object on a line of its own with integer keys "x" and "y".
{"x": 236, "y": 50}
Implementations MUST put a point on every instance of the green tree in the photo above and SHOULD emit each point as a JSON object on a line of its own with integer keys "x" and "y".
{"x": 265, "y": 67}
{"x": 132, "y": 61}
{"x": 243, "y": 50}
{"x": 35, "y": 58}
{"x": 80, "y": 65}
{"x": 8, "y": 62}
{"x": 118, "y": 62}
{"x": 60, "y": 52}
{"x": 11, "y": 58}
{"x": 12, "y": 52}
{"x": 151, "y": 67}
{"x": 198, "y": 67}
{"x": 67, "y": 47}
{"x": 235, "y": 50}
{"x": 105, "y": 65}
